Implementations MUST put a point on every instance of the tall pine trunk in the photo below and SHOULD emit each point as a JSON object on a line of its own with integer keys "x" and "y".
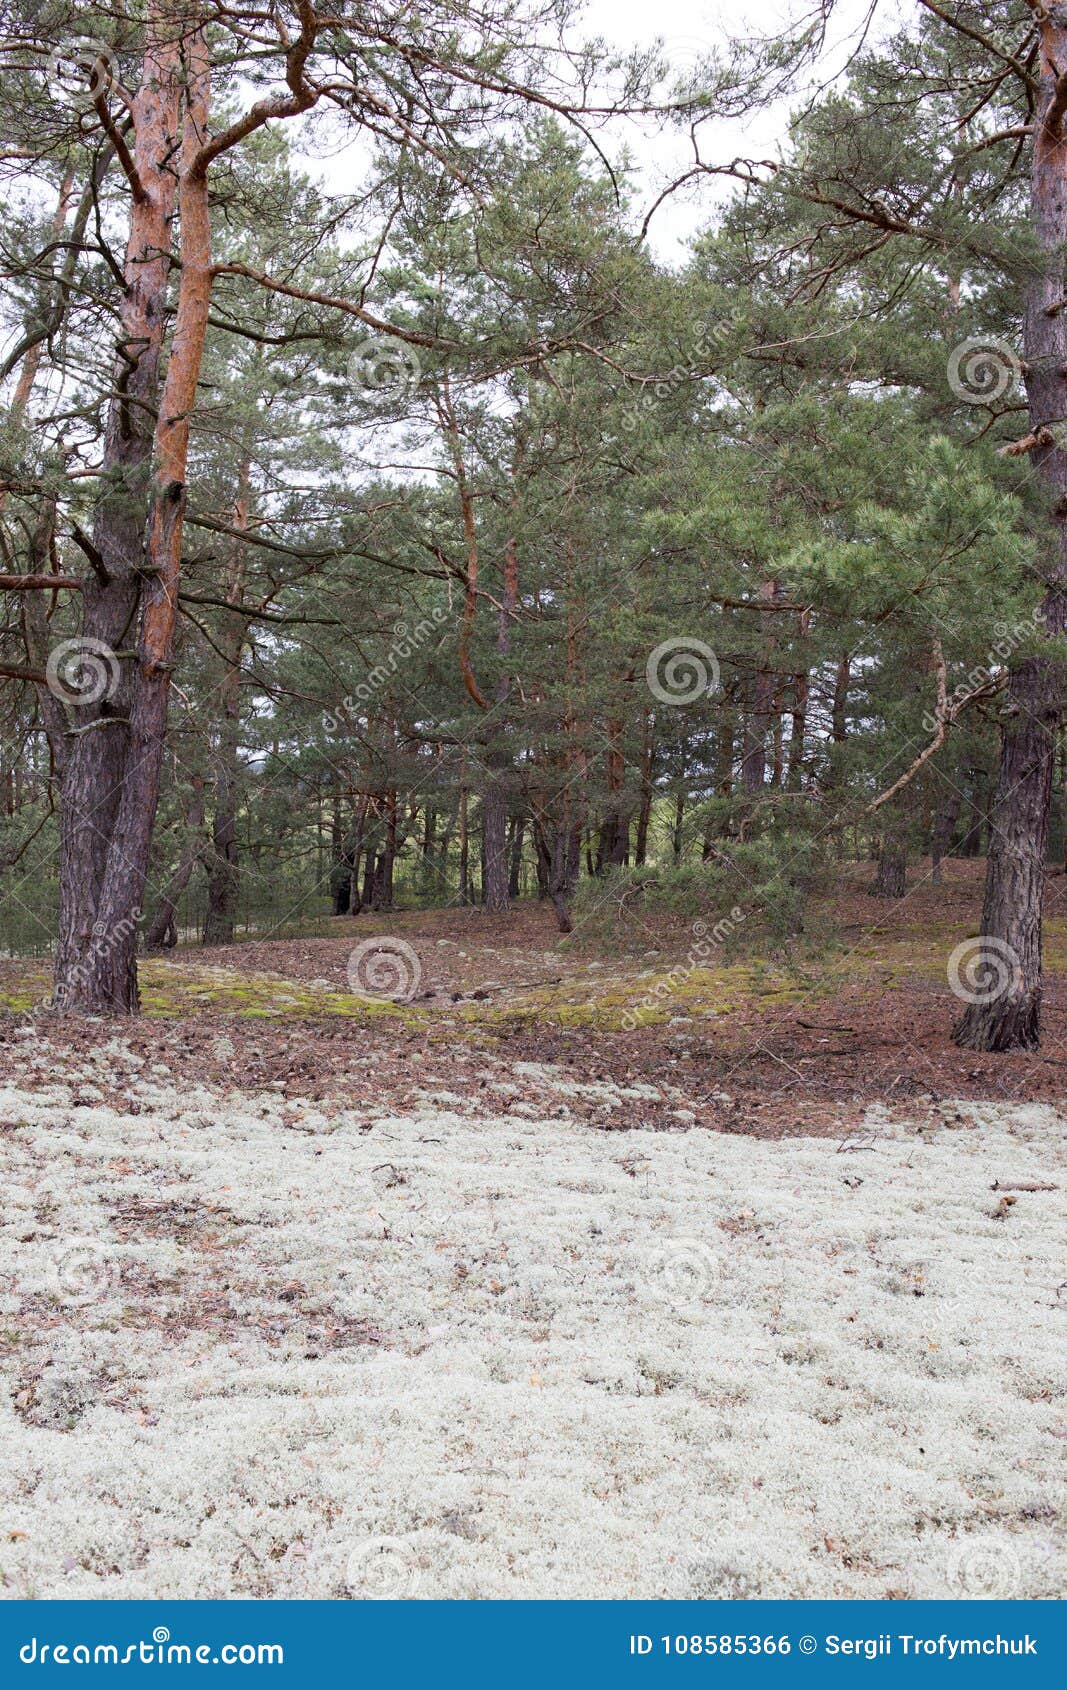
{"x": 1018, "y": 844}
{"x": 101, "y": 745}
{"x": 518, "y": 829}
{"x": 946, "y": 815}
{"x": 495, "y": 803}
{"x": 891, "y": 879}
{"x": 761, "y": 709}
{"x": 162, "y": 931}
{"x": 799, "y": 725}
{"x": 107, "y": 974}
{"x": 224, "y": 871}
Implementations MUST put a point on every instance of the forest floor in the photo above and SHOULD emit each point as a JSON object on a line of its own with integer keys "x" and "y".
{"x": 795, "y": 1043}
{"x": 310, "y": 1295}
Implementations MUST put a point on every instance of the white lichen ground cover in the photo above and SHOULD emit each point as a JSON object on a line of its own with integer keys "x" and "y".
{"x": 252, "y": 1349}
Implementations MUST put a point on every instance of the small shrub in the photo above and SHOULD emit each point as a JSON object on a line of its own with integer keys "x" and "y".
{"x": 759, "y": 887}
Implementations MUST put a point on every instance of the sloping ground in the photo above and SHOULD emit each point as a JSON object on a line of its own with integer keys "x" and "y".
{"x": 800, "y": 1043}
{"x": 795, "y": 1043}
{"x": 254, "y": 1346}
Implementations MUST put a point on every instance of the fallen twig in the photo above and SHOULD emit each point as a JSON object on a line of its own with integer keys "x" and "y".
{"x": 1022, "y": 1185}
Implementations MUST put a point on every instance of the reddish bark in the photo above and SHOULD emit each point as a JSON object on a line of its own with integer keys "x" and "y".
{"x": 99, "y": 749}
{"x": 109, "y": 983}
{"x": 110, "y": 809}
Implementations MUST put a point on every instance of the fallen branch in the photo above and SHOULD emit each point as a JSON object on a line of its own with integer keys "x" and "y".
{"x": 1022, "y": 1185}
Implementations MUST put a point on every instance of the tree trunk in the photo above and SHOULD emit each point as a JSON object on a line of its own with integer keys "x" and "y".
{"x": 978, "y": 808}
{"x": 676, "y": 830}
{"x": 162, "y": 931}
{"x": 754, "y": 759}
{"x": 777, "y": 741}
{"x": 946, "y": 815}
{"x": 839, "y": 720}
{"x": 106, "y": 980}
{"x": 495, "y": 806}
{"x": 891, "y": 879}
{"x": 724, "y": 781}
{"x": 384, "y": 889}
{"x": 85, "y": 978}
{"x": 1009, "y": 1017}
{"x": 518, "y": 829}
{"x": 464, "y": 848}
{"x": 369, "y": 879}
{"x": 574, "y": 857}
{"x": 224, "y": 872}
{"x": 557, "y": 879}
{"x": 644, "y": 813}
{"x": 544, "y": 866}
{"x": 644, "y": 817}
{"x": 340, "y": 865}
{"x": 798, "y": 728}
{"x": 355, "y": 852}
{"x": 495, "y": 848}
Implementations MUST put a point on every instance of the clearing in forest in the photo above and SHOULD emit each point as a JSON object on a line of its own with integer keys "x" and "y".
{"x": 482, "y": 1294}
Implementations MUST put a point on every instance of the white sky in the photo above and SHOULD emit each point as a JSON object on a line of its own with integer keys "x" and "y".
{"x": 689, "y": 29}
